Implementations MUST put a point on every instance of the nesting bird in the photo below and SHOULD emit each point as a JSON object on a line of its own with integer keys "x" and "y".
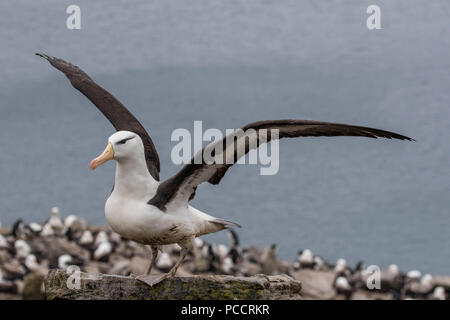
{"x": 341, "y": 266}
{"x": 439, "y": 294}
{"x": 22, "y": 249}
{"x": 103, "y": 246}
{"x": 64, "y": 261}
{"x": 414, "y": 275}
{"x": 342, "y": 286}
{"x": 54, "y": 225}
{"x": 392, "y": 280}
{"x": 34, "y": 227}
{"x": 164, "y": 262}
{"x": 86, "y": 239}
{"x": 306, "y": 259}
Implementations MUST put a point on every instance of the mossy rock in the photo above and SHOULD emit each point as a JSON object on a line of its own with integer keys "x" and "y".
{"x": 213, "y": 287}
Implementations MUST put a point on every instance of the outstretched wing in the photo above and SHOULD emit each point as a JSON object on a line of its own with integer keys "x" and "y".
{"x": 113, "y": 109}
{"x": 181, "y": 187}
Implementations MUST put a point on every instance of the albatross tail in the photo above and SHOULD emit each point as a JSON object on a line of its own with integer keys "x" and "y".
{"x": 208, "y": 224}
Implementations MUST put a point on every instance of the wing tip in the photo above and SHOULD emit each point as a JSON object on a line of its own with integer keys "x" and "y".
{"x": 403, "y": 138}
{"x": 226, "y": 223}
{"x": 42, "y": 55}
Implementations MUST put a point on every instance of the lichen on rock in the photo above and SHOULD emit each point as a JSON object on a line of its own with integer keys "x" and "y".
{"x": 217, "y": 287}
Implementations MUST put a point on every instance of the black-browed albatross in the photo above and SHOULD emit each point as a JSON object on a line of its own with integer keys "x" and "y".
{"x": 154, "y": 213}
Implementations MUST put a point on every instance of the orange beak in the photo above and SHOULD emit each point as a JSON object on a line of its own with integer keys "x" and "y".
{"x": 107, "y": 155}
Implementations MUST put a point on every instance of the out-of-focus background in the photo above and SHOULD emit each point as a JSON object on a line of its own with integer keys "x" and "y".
{"x": 229, "y": 63}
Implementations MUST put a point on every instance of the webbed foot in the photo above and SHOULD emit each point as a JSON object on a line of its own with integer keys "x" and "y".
{"x": 151, "y": 280}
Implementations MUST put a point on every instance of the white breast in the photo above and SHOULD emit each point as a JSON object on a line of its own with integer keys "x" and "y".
{"x": 138, "y": 221}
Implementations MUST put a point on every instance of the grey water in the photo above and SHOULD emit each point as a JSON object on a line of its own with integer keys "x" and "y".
{"x": 228, "y": 63}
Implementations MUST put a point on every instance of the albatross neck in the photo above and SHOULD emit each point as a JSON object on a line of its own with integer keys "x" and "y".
{"x": 133, "y": 179}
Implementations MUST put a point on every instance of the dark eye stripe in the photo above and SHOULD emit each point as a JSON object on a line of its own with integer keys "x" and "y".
{"x": 124, "y": 140}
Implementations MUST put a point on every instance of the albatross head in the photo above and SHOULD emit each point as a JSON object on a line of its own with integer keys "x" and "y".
{"x": 121, "y": 145}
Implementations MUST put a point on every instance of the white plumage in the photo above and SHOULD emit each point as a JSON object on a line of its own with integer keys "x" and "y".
{"x": 3, "y": 242}
{"x": 414, "y": 275}
{"x": 86, "y": 238}
{"x": 103, "y": 250}
{"x": 35, "y": 227}
{"x": 22, "y": 249}
{"x": 439, "y": 293}
{"x": 340, "y": 266}
{"x": 64, "y": 261}
{"x": 342, "y": 284}
{"x": 164, "y": 261}
{"x": 306, "y": 258}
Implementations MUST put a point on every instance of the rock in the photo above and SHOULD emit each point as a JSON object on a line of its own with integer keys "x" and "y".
{"x": 100, "y": 287}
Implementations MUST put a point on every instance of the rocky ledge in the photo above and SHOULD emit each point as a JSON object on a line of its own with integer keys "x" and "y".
{"x": 214, "y": 287}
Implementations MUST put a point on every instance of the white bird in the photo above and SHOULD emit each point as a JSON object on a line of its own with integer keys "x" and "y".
{"x": 103, "y": 250}
{"x": 72, "y": 220}
{"x": 342, "y": 283}
{"x": 69, "y": 220}
{"x": 341, "y": 265}
{"x": 227, "y": 265}
{"x": 150, "y": 212}
{"x": 389, "y": 275}
{"x": 64, "y": 261}
{"x": 427, "y": 280}
{"x": 414, "y": 275}
{"x": 22, "y": 249}
{"x": 115, "y": 237}
{"x": 318, "y": 263}
{"x": 104, "y": 246}
{"x": 342, "y": 286}
{"x": 35, "y": 227}
{"x": 54, "y": 225}
{"x": 47, "y": 230}
{"x": 86, "y": 238}
{"x": 393, "y": 269}
{"x": 164, "y": 261}
{"x": 198, "y": 243}
{"x": 306, "y": 258}
{"x": 102, "y": 236}
{"x": 220, "y": 250}
{"x": 439, "y": 293}
{"x": 31, "y": 262}
{"x": 33, "y": 265}
{"x": 3, "y": 242}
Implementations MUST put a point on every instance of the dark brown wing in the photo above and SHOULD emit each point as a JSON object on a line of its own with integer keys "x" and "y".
{"x": 114, "y": 111}
{"x": 181, "y": 187}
